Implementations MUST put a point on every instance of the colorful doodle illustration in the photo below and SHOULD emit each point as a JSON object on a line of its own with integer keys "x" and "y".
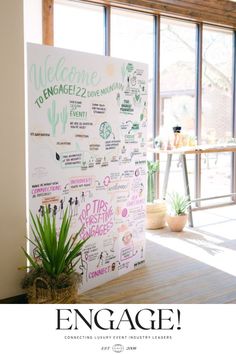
{"x": 107, "y": 181}
{"x": 83, "y": 265}
{"x": 137, "y": 99}
{"x": 87, "y": 125}
{"x": 64, "y": 119}
{"x": 61, "y": 208}
{"x": 53, "y": 118}
{"x": 134, "y": 126}
{"x": 105, "y": 130}
{"x": 114, "y": 239}
{"x": 102, "y": 257}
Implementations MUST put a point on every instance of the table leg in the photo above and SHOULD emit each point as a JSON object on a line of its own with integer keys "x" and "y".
{"x": 186, "y": 187}
{"x": 166, "y": 177}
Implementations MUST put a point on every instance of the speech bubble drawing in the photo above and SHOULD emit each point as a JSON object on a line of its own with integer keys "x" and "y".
{"x": 71, "y": 159}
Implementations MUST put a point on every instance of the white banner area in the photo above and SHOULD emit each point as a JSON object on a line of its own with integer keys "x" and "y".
{"x": 167, "y": 329}
{"x": 87, "y": 117}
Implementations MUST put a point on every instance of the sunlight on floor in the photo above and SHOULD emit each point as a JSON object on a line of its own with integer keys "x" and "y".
{"x": 212, "y": 241}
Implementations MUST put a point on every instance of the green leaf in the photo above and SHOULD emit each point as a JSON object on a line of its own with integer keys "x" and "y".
{"x": 153, "y": 167}
{"x": 44, "y": 236}
{"x": 56, "y": 254}
{"x": 30, "y": 259}
{"x": 74, "y": 253}
{"x": 179, "y": 204}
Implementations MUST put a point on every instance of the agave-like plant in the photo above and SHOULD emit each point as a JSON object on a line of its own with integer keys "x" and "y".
{"x": 152, "y": 168}
{"x": 56, "y": 252}
{"x": 179, "y": 203}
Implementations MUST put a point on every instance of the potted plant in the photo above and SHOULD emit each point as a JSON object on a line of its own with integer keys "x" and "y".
{"x": 178, "y": 216}
{"x": 52, "y": 277}
{"x": 155, "y": 209}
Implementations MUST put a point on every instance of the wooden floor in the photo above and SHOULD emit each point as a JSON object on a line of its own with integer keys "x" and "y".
{"x": 169, "y": 276}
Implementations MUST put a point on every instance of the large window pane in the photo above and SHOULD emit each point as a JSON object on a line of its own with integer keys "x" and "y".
{"x": 177, "y": 91}
{"x": 79, "y": 26}
{"x": 132, "y": 38}
{"x": 216, "y": 108}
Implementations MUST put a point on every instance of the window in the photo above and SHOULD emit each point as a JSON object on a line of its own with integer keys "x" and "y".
{"x": 177, "y": 90}
{"x": 79, "y": 26}
{"x": 177, "y": 75}
{"x": 217, "y": 104}
{"x": 132, "y": 37}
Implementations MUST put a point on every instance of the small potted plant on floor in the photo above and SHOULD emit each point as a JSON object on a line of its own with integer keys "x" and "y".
{"x": 177, "y": 217}
{"x": 155, "y": 209}
{"x": 52, "y": 277}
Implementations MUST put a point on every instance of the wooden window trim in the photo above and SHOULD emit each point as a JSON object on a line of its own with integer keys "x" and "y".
{"x": 221, "y": 13}
{"x": 48, "y": 23}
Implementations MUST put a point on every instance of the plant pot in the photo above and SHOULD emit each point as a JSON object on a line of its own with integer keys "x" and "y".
{"x": 156, "y": 215}
{"x": 176, "y": 223}
{"x": 41, "y": 293}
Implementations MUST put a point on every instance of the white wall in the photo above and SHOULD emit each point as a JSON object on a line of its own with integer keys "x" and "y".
{"x": 12, "y": 138}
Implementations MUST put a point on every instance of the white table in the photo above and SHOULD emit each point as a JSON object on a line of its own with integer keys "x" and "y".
{"x": 196, "y": 150}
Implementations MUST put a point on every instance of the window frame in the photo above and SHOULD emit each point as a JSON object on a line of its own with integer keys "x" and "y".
{"x": 48, "y": 28}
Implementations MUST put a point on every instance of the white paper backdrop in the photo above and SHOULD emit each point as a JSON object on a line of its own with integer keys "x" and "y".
{"x": 87, "y": 117}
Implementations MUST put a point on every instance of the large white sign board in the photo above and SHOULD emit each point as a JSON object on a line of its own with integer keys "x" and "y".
{"x": 87, "y": 117}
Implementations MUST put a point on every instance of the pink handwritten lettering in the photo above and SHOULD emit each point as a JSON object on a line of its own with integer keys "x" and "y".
{"x": 99, "y": 272}
{"x": 97, "y": 218}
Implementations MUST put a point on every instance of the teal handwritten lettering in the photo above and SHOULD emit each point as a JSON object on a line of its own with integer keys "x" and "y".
{"x": 42, "y": 75}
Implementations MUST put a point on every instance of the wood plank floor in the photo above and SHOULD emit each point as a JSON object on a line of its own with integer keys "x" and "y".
{"x": 168, "y": 277}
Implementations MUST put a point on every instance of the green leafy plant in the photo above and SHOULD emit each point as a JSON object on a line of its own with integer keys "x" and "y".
{"x": 152, "y": 168}
{"x": 55, "y": 252}
{"x": 179, "y": 204}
